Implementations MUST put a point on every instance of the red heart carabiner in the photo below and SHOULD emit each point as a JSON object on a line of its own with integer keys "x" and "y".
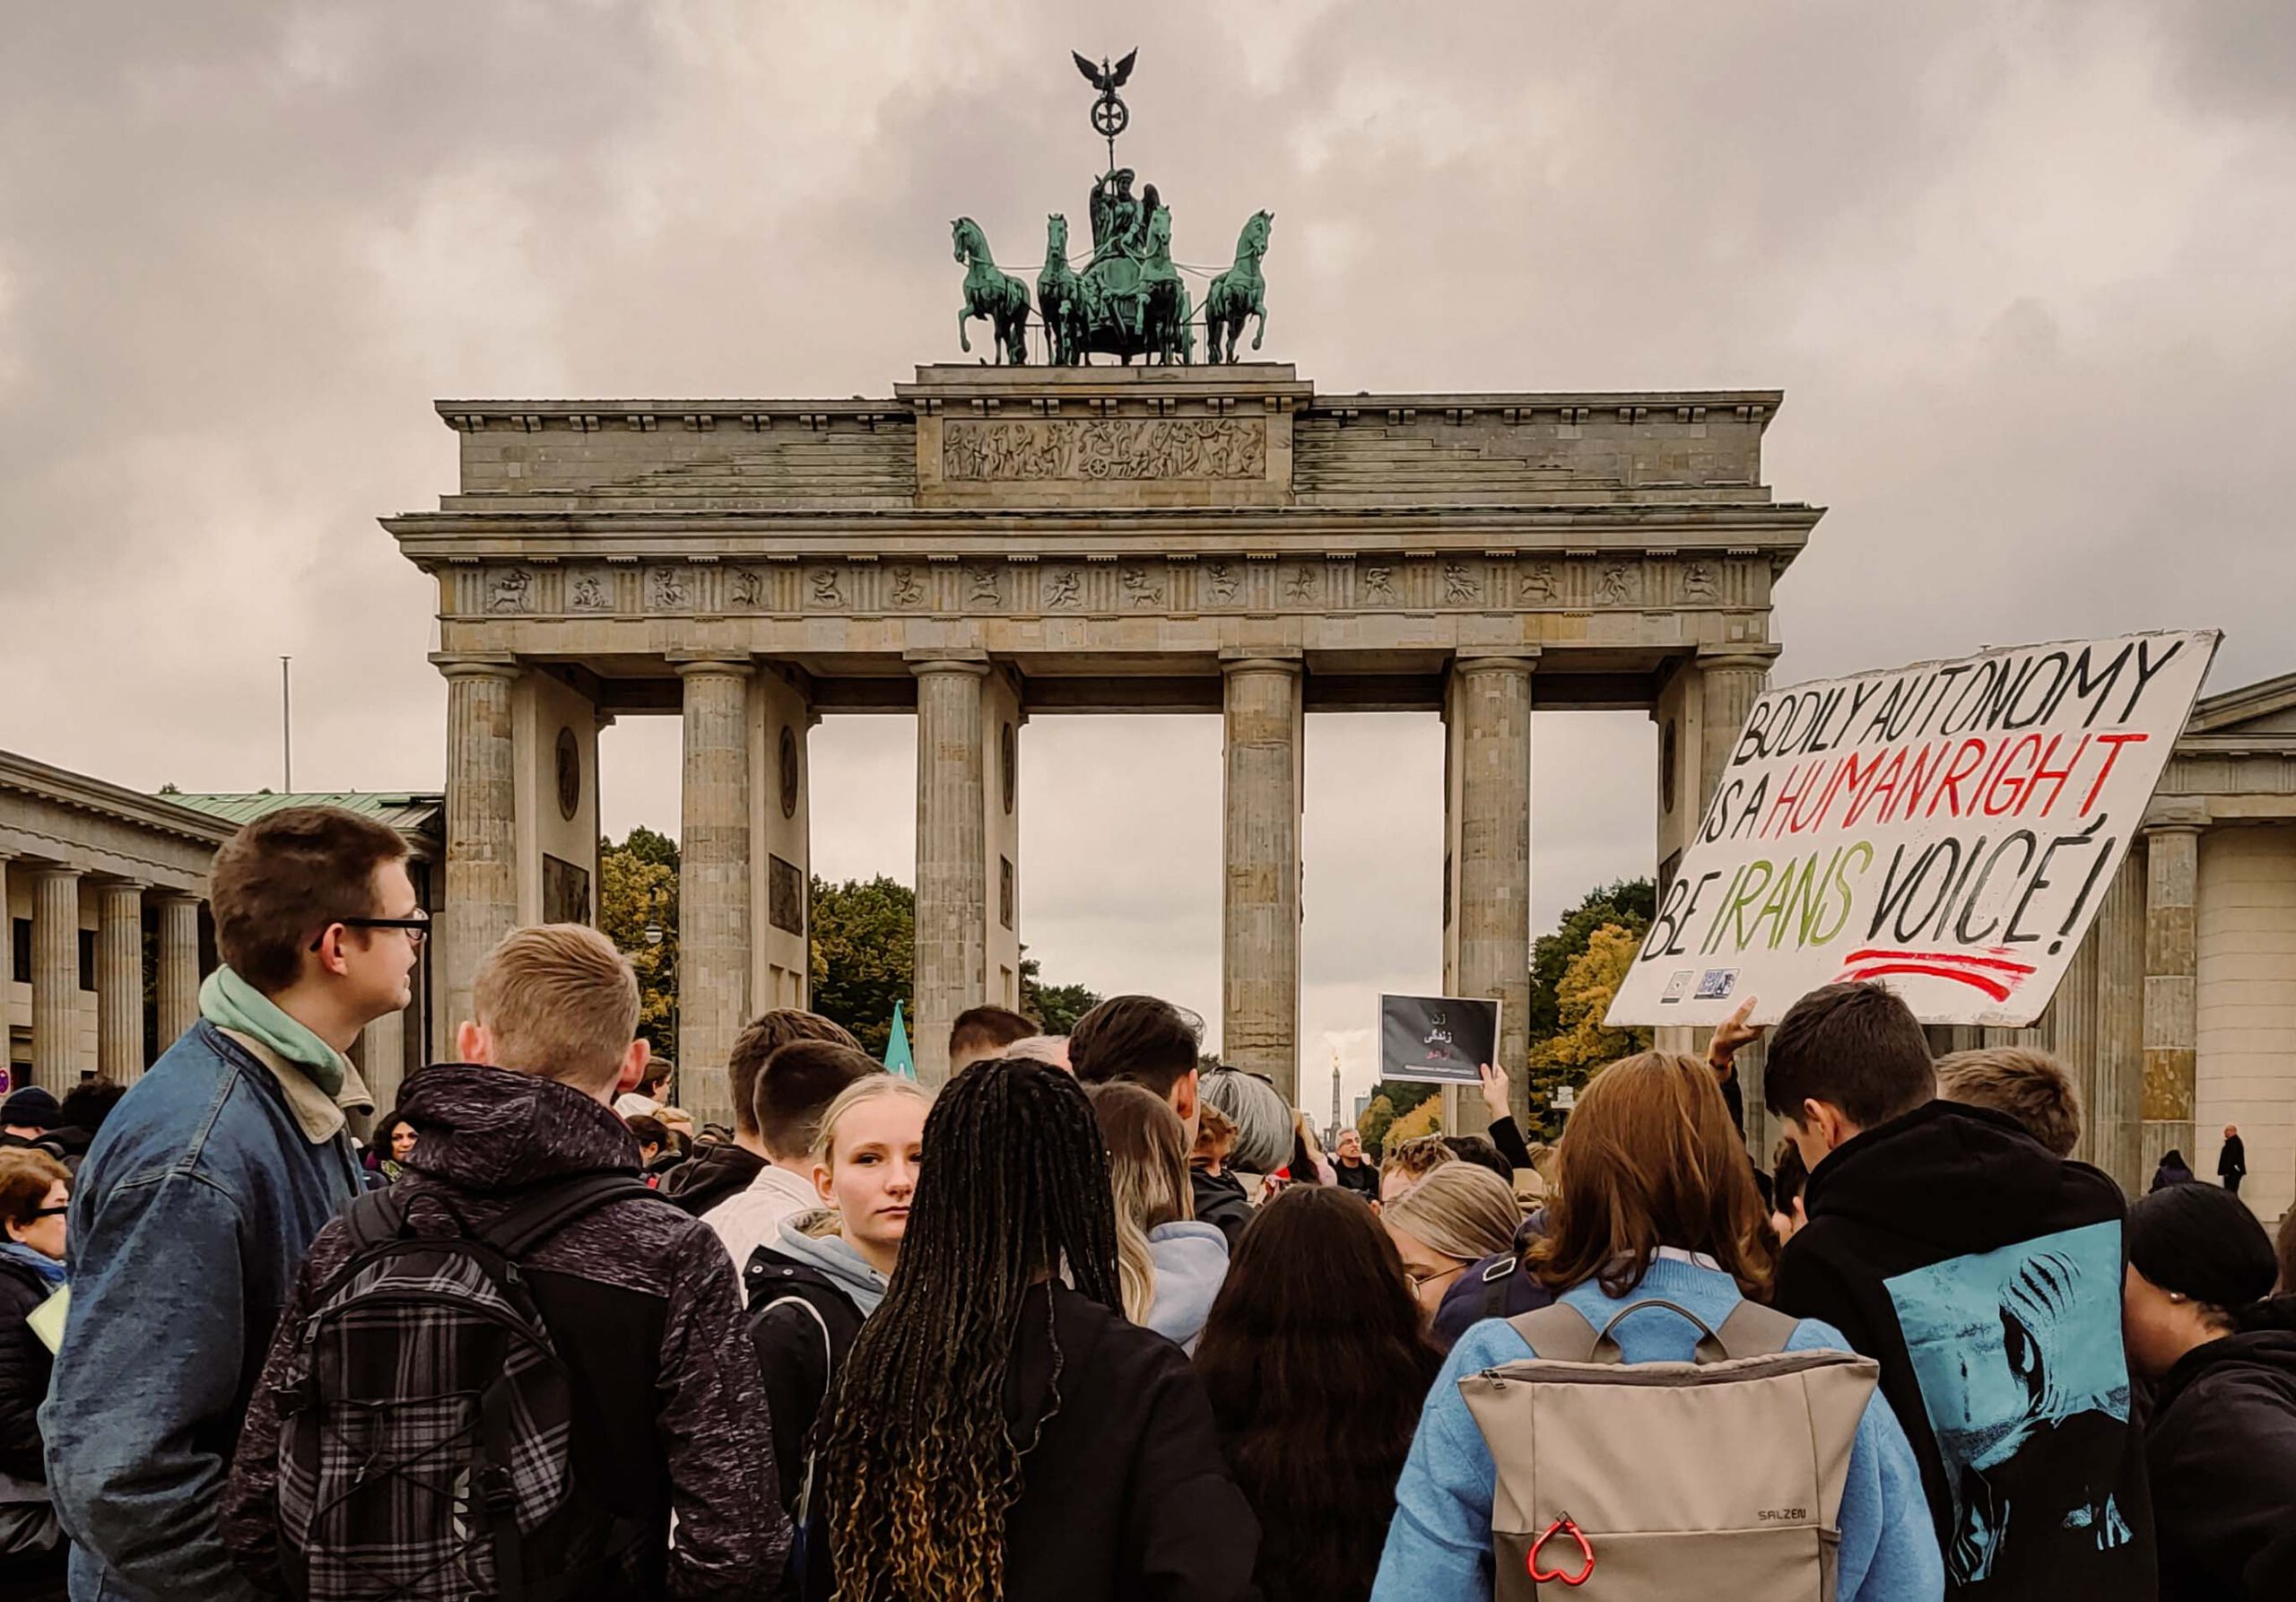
{"x": 1531, "y": 1559}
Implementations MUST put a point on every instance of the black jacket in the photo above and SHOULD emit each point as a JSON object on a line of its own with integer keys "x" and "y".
{"x": 2221, "y": 1452}
{"x": 1363, "y": 1179}
{"x": 2233, "y": 1159}
{"x": 803, "y": 1325}
{"x": 711, "y": 1175}
{"x": 1220, "y": 1201}
{"x": 1127, "y": 1494}
{"x": 1984, "y": 1273}
{"x": 25, "y": 1364}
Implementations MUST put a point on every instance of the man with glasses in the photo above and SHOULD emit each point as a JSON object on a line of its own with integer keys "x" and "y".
{"x": 203, "y": 1190}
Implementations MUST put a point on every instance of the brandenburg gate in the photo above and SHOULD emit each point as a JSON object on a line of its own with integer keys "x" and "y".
{"x": 993, "y": 544}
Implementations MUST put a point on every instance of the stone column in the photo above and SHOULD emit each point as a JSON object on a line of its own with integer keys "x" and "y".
{"x": 482, "y": 828}
{"x": 2171, "y": 950}
{"x": 178, "y": 967}
{"x": 2118, "y": 1027}
{"x": 713, "y": 885}
{"x": 1729, "y": 683}
{"x": 1259, "y": 989}
{"x": 1493, "y": 846}
{"x": 951, "y": 856}
{"x": 55, "y": 977}
{"x": 382, "y": 1058}
{"x": 119, "y": 981}
{"x": 2073, "y": 1033}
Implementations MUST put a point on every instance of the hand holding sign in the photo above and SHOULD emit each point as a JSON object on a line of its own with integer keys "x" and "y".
{"x": 1732, "y": 1033}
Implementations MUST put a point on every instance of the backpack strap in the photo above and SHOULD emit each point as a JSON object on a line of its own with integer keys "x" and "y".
{"x": 1753, "y": 1330}
{"x": 1493, "y": 1298}
{"x": 551, "y": 1207}
{"x": 373, "y": 1217}
{"x": 1558, "y": 1333}
{"x": 1561, "y": 1333}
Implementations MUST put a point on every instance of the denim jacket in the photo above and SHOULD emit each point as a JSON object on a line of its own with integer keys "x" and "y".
{"x": 194, "y": 1206}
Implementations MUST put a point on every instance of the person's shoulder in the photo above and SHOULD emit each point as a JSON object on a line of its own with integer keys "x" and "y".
{"x": 1486, "y": 1344}
{"x": 1816, "y": 1335}
{"x": 197, "y": 1110}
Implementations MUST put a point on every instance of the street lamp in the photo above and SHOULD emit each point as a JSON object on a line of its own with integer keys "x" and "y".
{"x": 655, "y": 936}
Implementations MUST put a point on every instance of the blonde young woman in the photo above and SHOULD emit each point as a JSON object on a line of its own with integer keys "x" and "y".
{"x": 810, "y": 1288}
{"x": 1168, "y": 1267}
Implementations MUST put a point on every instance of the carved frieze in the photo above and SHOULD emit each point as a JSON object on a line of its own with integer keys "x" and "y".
{"x": 511, "y": 590}
{"x": 667, "y": 591}
{"x": 589, "y": 591}
{"x": 1103, "y": 449}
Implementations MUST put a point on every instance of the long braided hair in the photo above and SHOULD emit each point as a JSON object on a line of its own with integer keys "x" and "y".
{"x": 920, "y": 1466}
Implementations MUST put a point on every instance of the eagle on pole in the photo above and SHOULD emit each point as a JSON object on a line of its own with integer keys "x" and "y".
{"x": 1108, "y": 80}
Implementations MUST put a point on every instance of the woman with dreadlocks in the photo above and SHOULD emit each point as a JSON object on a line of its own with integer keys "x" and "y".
{"x": 999, "y": 1430}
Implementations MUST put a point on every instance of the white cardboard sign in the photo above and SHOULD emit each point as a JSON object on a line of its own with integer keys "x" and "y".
{"x": 1948, "y": 828}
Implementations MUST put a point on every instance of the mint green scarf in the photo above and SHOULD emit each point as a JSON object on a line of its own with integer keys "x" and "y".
{"x": 228, "y": 1002}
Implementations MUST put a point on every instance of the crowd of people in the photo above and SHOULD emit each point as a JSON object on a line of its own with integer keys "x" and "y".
{"x": 1093, "y": 1319}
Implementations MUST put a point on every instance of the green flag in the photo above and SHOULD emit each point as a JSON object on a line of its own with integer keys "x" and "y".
{"x": 898, "y": 1060}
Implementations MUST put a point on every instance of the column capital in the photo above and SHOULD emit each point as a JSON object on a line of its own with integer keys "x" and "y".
{"x": 455, "y": 665}
{"x": 169, "y": 896}
{"x": 49, "y": 872}
{"x": 2176, "y": 815}
{"x": 1472, "y": 660}
{"x": 1755, "y": 658}
{"x": 974, "y": 664}
{"x": 1245, "y": 660}
{"x": 123, "y": 885}
{"x": 711, "y": 664}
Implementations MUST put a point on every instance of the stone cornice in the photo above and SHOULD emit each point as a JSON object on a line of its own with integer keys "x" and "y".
{"x": 77, "y": 792}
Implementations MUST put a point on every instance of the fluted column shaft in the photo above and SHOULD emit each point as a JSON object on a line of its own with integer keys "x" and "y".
{"x": 178, "y": 978}
{"x": 482, "y": 832}
{"x": 382, "y": 1058}
{"x": 1729, "y": 685}
{"x": 2172, "y": 986}
{"x": 55, "y": 977}
{"x": 1259, "y": 1029}
{"x": 952, "y": 971}
{"x": 713, "y": 885}
{"x": 119, "y": 981}
{"x": 1494, "y": 852}
{"x": 2118, "y": 1027}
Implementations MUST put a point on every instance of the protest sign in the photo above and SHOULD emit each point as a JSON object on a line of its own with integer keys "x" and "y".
{"x": 1948, "y": 828}
{"x": 1437, "y": 1040}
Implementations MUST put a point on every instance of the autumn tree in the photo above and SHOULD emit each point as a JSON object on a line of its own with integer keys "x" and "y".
{"x": 1055, "y": 1007}
{"x": 1581, "y": 1042}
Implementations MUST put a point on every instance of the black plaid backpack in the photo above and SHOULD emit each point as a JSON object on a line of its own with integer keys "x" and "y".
{"x": 427, "y": 1427}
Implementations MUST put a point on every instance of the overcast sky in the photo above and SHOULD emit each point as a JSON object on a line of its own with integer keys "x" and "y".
{"x": 2026, "y": 271}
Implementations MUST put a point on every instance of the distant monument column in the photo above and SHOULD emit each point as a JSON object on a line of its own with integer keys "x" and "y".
{"x": 481, "y": 836}
{"x": 178, "y": 978}
{"x": 1489, "y": 711}
{"x": 1259, "y": 1027}
{"x": 2171, "y": 1026}
{"x": 713, "y": 883}
{"x": 119, "y": 981}
{"x": 951, "y": 855}
{"x": 55, "y": 977}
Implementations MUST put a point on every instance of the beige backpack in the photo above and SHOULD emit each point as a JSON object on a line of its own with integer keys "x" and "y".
{"x": 1720, "y": 1478}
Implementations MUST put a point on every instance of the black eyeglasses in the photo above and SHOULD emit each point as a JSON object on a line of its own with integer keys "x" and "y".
{"x": 51, "y": 1212}
{"x": 417, "y": 927}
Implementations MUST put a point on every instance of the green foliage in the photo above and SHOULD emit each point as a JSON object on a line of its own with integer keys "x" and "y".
{"x": 1581, "y": 1045}
{"x": 1055, "y": 1007}
{"x": 1631, "y": 904}
{"x": 864, "y": 955}
{"x": 638, "y": 888}
{"x": 1405, "y": 1095}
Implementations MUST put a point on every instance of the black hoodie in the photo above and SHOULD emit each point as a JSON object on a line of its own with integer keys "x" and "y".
{"x": 1984, "y": 1273}
{"x": 2221, "y": 1452}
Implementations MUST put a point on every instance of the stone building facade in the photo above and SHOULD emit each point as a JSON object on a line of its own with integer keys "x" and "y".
{"x": 991, "y": 544}
{"x": 107, "y": 932}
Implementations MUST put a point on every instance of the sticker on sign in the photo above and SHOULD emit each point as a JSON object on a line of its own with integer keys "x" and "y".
{"x": 1947, "y": 829}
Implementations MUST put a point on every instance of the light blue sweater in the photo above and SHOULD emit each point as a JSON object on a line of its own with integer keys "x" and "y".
{"x": 1438, "y": 1547}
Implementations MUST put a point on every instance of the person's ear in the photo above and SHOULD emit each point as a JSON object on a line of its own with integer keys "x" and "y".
{"x": 1184, "y": 1096}
{"x": 472, "y": 1044}
{"x": 633, "y": 1067}
{"x": 1824, "y": 1121}
{"x": 823, "y": 1187}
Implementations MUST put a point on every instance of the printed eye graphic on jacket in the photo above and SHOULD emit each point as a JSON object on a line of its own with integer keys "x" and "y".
{"x": 2018, "y": 1353}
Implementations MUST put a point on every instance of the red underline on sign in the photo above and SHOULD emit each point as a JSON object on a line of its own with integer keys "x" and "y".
{"x": 1875, "y": 954}
{"x": 1994, "y": 987}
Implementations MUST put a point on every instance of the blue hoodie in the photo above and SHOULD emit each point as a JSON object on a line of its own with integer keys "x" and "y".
{"x": 1191, "y": 1264}
{"x": 1438, "y": 1547}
